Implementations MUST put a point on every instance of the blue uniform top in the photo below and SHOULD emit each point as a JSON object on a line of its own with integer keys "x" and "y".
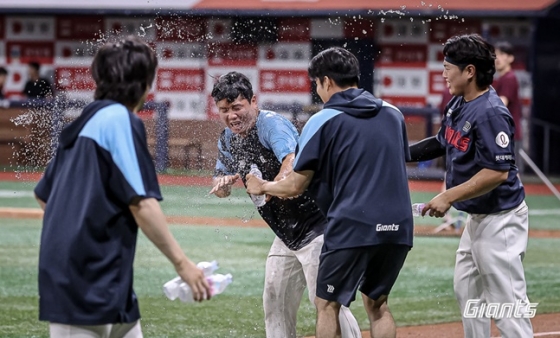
{"x": 88, "y": 240}
{"x": 480, "y": 134}
{"x": 357, "y": 147}
{"x": 295, "y": 221}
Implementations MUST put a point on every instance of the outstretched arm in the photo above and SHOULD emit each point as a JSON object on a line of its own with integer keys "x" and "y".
{"x": 150, "y": 219}
{"x": 292, "y": 185}
{"x": 427, "y": 149}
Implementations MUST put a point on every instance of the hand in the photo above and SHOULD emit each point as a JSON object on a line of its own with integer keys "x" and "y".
{"x": 223, "y": 185}
{"x": 438, "y": 206}
{"x": 196, "y": 280}
{"x": 254, "y": 185}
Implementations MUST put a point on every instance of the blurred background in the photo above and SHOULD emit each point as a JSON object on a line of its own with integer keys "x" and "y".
{"x": 399, "y": 45}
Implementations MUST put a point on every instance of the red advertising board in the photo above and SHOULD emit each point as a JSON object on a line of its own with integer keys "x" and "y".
{"x": 293, "y": 81}
{"x": 294, "y": 29}
{"x": 180, "y": 29}
{"x": 79, "y": 27}
{"x": 42, "y": 52}
{"x": 229, "y": 54}
{"x": 396, "y": 55}
{"x": 73, "y": 78}
{"x": 180, "y": 79}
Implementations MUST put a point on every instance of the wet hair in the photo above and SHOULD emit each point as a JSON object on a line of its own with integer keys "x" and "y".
{"x": 472, "y": 49}
{"x": 232, "y": 85}
{"x": 337, "y": 64}
{"x": 3, "y": 71}
{"x": 35, "y": 65}
{"x": 123, "y": 71}
{"x": 504, "y": 47}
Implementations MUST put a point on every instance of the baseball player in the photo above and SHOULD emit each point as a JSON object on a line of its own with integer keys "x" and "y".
{"x": 264, "y": 138}
{"x": 477, "y": 136}
{"x": 352, "y": 155}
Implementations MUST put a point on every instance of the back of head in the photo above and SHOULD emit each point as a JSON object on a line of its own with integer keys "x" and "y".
{"x": 232, "y": 85}
{"x": 472, "y": 49}
{"x": 3, "y": 71}
{"x": 338, "y": 64}
{"x": 504, "y": 47}
{"x": 123, "y": 71}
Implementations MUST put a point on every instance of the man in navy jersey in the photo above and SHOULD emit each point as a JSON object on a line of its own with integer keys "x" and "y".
{"x": 97, "y": 190}
{"x": 269, "y": 140}
{"x": 477, "y": 137}
{"x": 351, "y": 155}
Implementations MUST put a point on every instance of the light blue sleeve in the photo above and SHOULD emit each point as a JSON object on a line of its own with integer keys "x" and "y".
{"x": 308, "y": 150}
{"x": 277, "y": 134}
{"x": 111, "y": 129}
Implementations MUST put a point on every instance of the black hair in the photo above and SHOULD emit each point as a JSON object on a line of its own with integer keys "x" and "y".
{"x": 505, "y": 47}
{"x": 35, "y": 65}
{"x": 472, "y": 49}
{"x": 232, "y": 85}
{"x": 338, "y": 64}
{"x": 123, "y": 71}
{"x": 3, "y": 71}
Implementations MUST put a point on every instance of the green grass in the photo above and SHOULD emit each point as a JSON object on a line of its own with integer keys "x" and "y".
{"x": 423, "y": 293}
{"x": 195, "y": 201}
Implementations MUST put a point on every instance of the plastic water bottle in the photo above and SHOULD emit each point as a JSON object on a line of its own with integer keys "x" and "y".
{"x": 417, "y": 209}
{"x": 173, "y": 287}
{"x": 218, "y": 283}
{"x": 258, "y": 200}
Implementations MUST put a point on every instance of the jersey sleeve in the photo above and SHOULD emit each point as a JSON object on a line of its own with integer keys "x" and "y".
{"x": 133, "y": 174}
{"x": 224, "y": 163}
{"x": 44, "y": 187}
{"x": 277, "y": 134}
{"x": 494, "y": 146}
{"x": 405, "y": 142}
{"x": 308, "y": 152}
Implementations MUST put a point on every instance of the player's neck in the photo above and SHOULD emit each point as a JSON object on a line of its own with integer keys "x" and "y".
{"x": 472, "y": 92}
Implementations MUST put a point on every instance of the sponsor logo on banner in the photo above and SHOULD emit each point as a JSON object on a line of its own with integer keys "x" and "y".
{"x": 190, "y": 54}
{"x": 73, "y": 78}
{"x": 275, "y": 101}
{"x": 219, "y": 30}
{"x": 229, "y": 54}
{"x": 285, "y": 55}
{"x": 17, "y": 76}
{"x": 294, "y": 29}
{"x": 517, "y": 32}
{"x": 184, "y": 106}
{"x": 30, "y": 28}
{"x": 81, "y": 27}
{"x": 178, "y": 79}
{"x": 24, "y": 52}
{"x": 407, "y": 55}
{"x": 284, "y": 81}
{"x": 180, "y": 29}
{"x": 407, "y": 82}
{"x": 400, "y": 101}
{"x": 395, "y": 30}
{"x": 441, "y": 30}
{"x": 143, "y": 28}
{"x": 74, "y": 53}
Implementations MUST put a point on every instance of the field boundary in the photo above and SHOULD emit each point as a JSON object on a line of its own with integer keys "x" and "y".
{"x": 206, "y": 181}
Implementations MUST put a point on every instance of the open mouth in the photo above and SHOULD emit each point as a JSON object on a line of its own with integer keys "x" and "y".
{"x": 235, "y": 125}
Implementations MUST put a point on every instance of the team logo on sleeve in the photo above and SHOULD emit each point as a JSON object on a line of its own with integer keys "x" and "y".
{"x": 502, "y": 139}
{"x": 467, "y": 126}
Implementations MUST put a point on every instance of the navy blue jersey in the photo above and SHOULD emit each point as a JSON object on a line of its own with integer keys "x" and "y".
{"x": 479, "y": 134}
{"x": 295, "y": 221}
{"x": 89, "y": 235}
{"x": 357, "y": 147}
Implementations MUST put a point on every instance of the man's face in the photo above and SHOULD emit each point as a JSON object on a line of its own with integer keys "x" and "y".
{"x": 2, "y": 80}
{"x": 240, "y": 115}
{"x": 503, "y": 60}
{"x": 456, "y": 80}
{"x": 32, "y": 73}
{"x": 321, "y": 89}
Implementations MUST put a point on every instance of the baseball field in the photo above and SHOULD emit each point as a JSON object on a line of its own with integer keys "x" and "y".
{"x": 230, "y": 231}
